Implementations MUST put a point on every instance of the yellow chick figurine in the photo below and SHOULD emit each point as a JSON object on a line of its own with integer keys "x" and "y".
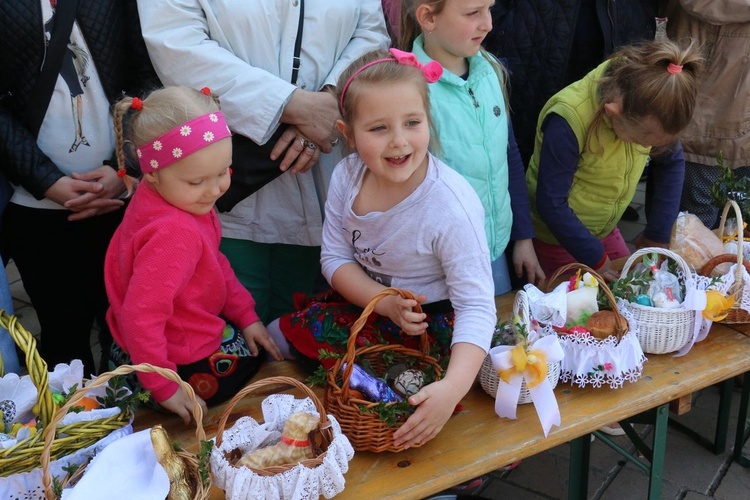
{"x": 717, "y": 305}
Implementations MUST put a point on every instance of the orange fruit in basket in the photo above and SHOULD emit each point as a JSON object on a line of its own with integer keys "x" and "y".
{"x": 88, "y": 404}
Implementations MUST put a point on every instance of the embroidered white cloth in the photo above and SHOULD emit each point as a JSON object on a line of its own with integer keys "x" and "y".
{"x": 542, "y": 394}
{"x": 125, "y": 470}
{"x": 297, "y": 483}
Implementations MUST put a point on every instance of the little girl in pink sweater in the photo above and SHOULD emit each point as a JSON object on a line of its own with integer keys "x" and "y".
{"x": 174, "y": 299}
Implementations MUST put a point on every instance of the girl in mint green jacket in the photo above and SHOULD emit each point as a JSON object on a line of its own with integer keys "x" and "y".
{"x": 469, "y": 111}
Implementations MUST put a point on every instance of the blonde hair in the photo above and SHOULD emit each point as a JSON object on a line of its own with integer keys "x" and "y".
{"x": 410, "y": 30}
{"x": 637, "y": 76}
{"x": 388, "y": 71}
{"x": 161, "y": 111}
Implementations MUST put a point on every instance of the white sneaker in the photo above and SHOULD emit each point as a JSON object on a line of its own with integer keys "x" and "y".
{"x": 613, "y": 430}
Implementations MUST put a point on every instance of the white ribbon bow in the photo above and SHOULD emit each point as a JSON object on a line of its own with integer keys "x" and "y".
{"x": 542, "y": 394}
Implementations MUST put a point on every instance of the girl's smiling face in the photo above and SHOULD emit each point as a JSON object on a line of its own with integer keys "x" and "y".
{"x": 390, "y": 131}
{"x": 194, "y": 183}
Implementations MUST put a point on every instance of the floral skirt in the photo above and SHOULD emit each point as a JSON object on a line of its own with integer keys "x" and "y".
{"x": 323, "y": 322}
{"x": 214, "y": 379}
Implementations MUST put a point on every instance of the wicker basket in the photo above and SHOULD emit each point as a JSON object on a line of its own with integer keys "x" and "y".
{"x": 488, "y": 377}
{"x": 320, "y": 447}
{"x": 24, "y": 456}
{"x": 49, "y": 434}
{"x": 661, "y": 330}
{"x": 611, "y": 361}
{"x": 322, "y": 475}
{"x": 736, "y": 313}
{"x": 365, "y": 430}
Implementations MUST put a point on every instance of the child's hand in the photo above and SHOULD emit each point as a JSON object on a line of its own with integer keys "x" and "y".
{"x": 436, "y": 403}
{"x": 608, "y": 272}
{"x": 255, "y": 334}
{"x": 399, "y": 310}
{"x": 642, "y": 242}
{"x": 525, "y": 260}
{"x": 182, "y": 405}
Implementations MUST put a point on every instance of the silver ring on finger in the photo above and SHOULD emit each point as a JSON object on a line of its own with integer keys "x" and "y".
{"x": 303, "y": 141}
{"x": 311, "y": 145}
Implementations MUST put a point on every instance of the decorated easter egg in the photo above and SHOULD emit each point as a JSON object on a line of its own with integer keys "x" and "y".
{"x": 643, "y": 299}
{"x": 409, "y": 382}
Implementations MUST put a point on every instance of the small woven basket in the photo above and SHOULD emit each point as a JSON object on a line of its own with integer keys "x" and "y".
{"x": 320, "y": 446}
{"x": 49, "y": 435}
{"x": 24, "y": 456}
{"x": 488, "y": 377}
{"x": 661, "y": 330}
{"x": 365, "y": 430}
{"x": 736, "y": 314}
{"x": 611, "y": 361}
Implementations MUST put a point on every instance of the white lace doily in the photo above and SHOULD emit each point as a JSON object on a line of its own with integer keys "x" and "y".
{"x": 297, "y": 483}
{"x": 589, "y": 361}
{"x": 724, "y": 284}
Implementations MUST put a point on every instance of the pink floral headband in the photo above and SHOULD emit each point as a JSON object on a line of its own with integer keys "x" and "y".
{"x": 432, "y": 71}
{"x": 182, "y": 141}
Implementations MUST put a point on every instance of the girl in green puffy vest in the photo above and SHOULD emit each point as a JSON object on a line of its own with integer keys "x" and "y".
{"x": 471, "y": 119}
{"x": 593, "y": 141}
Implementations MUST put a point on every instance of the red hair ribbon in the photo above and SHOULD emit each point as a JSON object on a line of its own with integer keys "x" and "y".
{"x": 136, "y": 104}
{"x": 206, "y": 91}
{"x": 121, "y": 173}
{"x": 674, "y": 69}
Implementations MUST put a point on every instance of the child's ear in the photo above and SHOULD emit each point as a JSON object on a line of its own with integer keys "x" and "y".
{"x": 613, "y": 108}
{"x": 425, "y": 17}
{"x": 151, "y": 178}
{"x": 345, "y": 132}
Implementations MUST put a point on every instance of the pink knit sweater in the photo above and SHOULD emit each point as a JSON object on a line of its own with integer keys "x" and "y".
{"x": 170, "y": 289}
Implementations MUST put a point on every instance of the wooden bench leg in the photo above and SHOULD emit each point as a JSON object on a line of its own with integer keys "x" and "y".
{"x": 659, "y": 451}
{"x": 578, "y": 472}
{"x": 719, "y": 443}
{"x": 739, "y": 440}
{"x": 659, "y": 418}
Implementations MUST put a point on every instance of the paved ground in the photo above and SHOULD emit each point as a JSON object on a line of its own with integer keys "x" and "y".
{"x": 691, "y": 471}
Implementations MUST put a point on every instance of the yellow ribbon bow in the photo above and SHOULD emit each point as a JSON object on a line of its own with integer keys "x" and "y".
{"x": 534, "y": 363}
{"x": 734, "y": 236}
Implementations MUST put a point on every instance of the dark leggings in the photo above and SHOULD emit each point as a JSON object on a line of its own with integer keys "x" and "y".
{"x": 215, "y": 378}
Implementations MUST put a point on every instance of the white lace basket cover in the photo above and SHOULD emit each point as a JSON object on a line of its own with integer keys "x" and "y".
{"x": 297, "y": 483}
{"x": 588, "y": 360}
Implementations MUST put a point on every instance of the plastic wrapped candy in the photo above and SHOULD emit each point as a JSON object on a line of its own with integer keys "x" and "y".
{"x": 374, "y": 389}
{"x": 665, "y": 290}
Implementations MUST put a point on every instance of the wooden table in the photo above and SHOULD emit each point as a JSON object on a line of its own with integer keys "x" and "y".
{"x": 476, "y": 441}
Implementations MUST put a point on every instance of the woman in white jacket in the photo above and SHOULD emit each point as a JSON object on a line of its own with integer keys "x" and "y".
{"x": 243, "y": 52}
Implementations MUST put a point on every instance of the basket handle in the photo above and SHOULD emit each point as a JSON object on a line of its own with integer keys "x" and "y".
{"x": 36, "y": 366}
{"x": 738, "y": 274}
{"x": 48, "y": 434}
{"x": 324, "y": 426}
{"x": 621, "y": 326}
{"x": 661, "y": 251}
{"x": 521, "y": 308}
{"x": 351, "y": 343}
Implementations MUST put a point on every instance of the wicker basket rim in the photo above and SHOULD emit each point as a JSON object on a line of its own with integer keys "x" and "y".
{"x": 324, "y": 426}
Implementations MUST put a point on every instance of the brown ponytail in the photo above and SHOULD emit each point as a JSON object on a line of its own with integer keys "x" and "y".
{"x": 642, "y": 78}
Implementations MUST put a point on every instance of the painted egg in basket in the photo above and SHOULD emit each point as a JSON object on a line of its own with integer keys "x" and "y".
{"x": 409, "y": 382}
